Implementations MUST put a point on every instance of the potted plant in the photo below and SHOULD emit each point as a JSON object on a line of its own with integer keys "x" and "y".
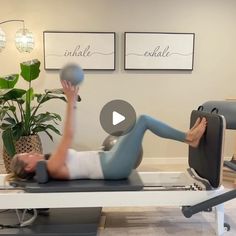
{"x": 20, "y": 117}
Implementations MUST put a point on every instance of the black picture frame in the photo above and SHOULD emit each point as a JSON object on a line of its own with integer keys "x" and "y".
{"x": 158, "y": 51}
{"x": 91, "y": 50}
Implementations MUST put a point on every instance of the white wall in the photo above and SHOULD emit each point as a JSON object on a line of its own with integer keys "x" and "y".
{"x": 167, "y": 95}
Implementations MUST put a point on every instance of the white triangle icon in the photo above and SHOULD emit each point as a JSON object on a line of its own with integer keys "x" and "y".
{"x": 117, "y": 118}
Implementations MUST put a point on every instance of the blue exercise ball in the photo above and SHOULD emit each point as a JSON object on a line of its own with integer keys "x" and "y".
{"x": 73, "y": 73}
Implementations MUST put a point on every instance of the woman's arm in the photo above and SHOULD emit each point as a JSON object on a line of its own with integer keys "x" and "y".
{"x": 57, "y": 159}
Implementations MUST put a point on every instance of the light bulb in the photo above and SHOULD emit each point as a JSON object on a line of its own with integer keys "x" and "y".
{"x": 2, "y": 40}
{"x": 24, "y": 40}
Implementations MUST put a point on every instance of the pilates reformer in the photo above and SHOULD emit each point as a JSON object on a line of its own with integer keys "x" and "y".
{"x": 197, "y": 189}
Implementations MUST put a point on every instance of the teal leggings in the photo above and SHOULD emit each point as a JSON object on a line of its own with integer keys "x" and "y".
{"x": 120, "y": 160}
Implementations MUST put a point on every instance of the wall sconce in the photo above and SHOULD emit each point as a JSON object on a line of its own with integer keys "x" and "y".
{"x": 24, "y": 40}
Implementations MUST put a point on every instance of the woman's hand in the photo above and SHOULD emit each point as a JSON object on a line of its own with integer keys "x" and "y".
{"x": 70, "y": 91}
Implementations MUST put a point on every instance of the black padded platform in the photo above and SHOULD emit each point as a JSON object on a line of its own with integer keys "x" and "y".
{"x": 207, "y": 159}
{"x": 133, "y": 183}
{"x": 59, "y": 222}
{"x": 225, "y": 108}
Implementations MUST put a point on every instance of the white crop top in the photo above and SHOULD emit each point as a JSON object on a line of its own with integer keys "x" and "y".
{"x": 84, "y": 165}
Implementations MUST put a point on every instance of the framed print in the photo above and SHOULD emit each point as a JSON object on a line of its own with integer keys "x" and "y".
{"x": 91, "y": 50}
{"x": 158, "y": 51}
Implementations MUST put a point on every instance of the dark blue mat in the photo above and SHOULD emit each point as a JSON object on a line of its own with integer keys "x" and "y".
{"x": 133, "y": 183}
{"x": 60, "y": 222}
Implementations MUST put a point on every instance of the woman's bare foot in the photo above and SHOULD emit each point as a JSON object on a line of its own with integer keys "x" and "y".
{"x": 197, "y": 122}
{"x": 194, "y": 135}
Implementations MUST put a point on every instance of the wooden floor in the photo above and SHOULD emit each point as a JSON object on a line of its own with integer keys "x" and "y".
{"x": 163, "y": 221}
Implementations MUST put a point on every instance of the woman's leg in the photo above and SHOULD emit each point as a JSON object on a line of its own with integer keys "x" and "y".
{"x": 120, "y": 160}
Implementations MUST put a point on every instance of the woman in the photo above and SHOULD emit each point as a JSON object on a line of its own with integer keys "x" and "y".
{"x": 66, "y": 163}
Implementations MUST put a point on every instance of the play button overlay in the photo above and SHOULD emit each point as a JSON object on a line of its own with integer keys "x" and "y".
{"x": 117, "y": 117}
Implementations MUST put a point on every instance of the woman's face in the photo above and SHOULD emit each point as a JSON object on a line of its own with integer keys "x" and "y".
{"x": 30, "y": 159}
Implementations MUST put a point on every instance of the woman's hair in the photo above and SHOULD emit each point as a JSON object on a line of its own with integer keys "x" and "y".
{"x": 18, "y": 169}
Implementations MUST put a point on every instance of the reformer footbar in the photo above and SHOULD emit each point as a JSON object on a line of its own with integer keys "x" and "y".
{"x": 202, "y": 182}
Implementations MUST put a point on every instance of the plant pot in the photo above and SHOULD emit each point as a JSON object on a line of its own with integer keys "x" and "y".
{"x": 24, "y": 144}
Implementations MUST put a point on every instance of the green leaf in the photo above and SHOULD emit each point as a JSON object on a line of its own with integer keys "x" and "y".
{"x": 60, "y": 91}
{"x": 5, "y": 126}
{"x": 56, "y": 116}
{"x": 18, "y": 131}
{"x": 12, "y": 108}
{"x": 4, "y": 110}
{"x": 10, "y": 120}
{"x": 20, "y": 101}
{"x": 42, "y": 98}
{"x": 30, "y": 70}
{"x": 39, "y": 128}
{"x": 51, "y": 127}
{"x": 46, "y": 117}
{"x": 8, "y": 142}
{"x": 11, "y": 94}
{"x": 49, "y": 135}
{"x": 43, "y": 128}
{"x": 29, "y": 97}
{"x": 55, "y": 91}
{"x": 8, "y": 81}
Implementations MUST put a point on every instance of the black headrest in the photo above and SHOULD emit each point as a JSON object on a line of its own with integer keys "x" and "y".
{"x": 41, "y": 173}
{"x": 225, "y": 108}
{"x": 207, "y": 159}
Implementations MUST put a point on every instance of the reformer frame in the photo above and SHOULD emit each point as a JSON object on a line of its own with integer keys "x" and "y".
{"x": 149, "y": 196}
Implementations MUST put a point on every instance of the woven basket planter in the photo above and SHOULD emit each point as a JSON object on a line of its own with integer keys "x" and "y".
{"x": 24, "y": 144}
